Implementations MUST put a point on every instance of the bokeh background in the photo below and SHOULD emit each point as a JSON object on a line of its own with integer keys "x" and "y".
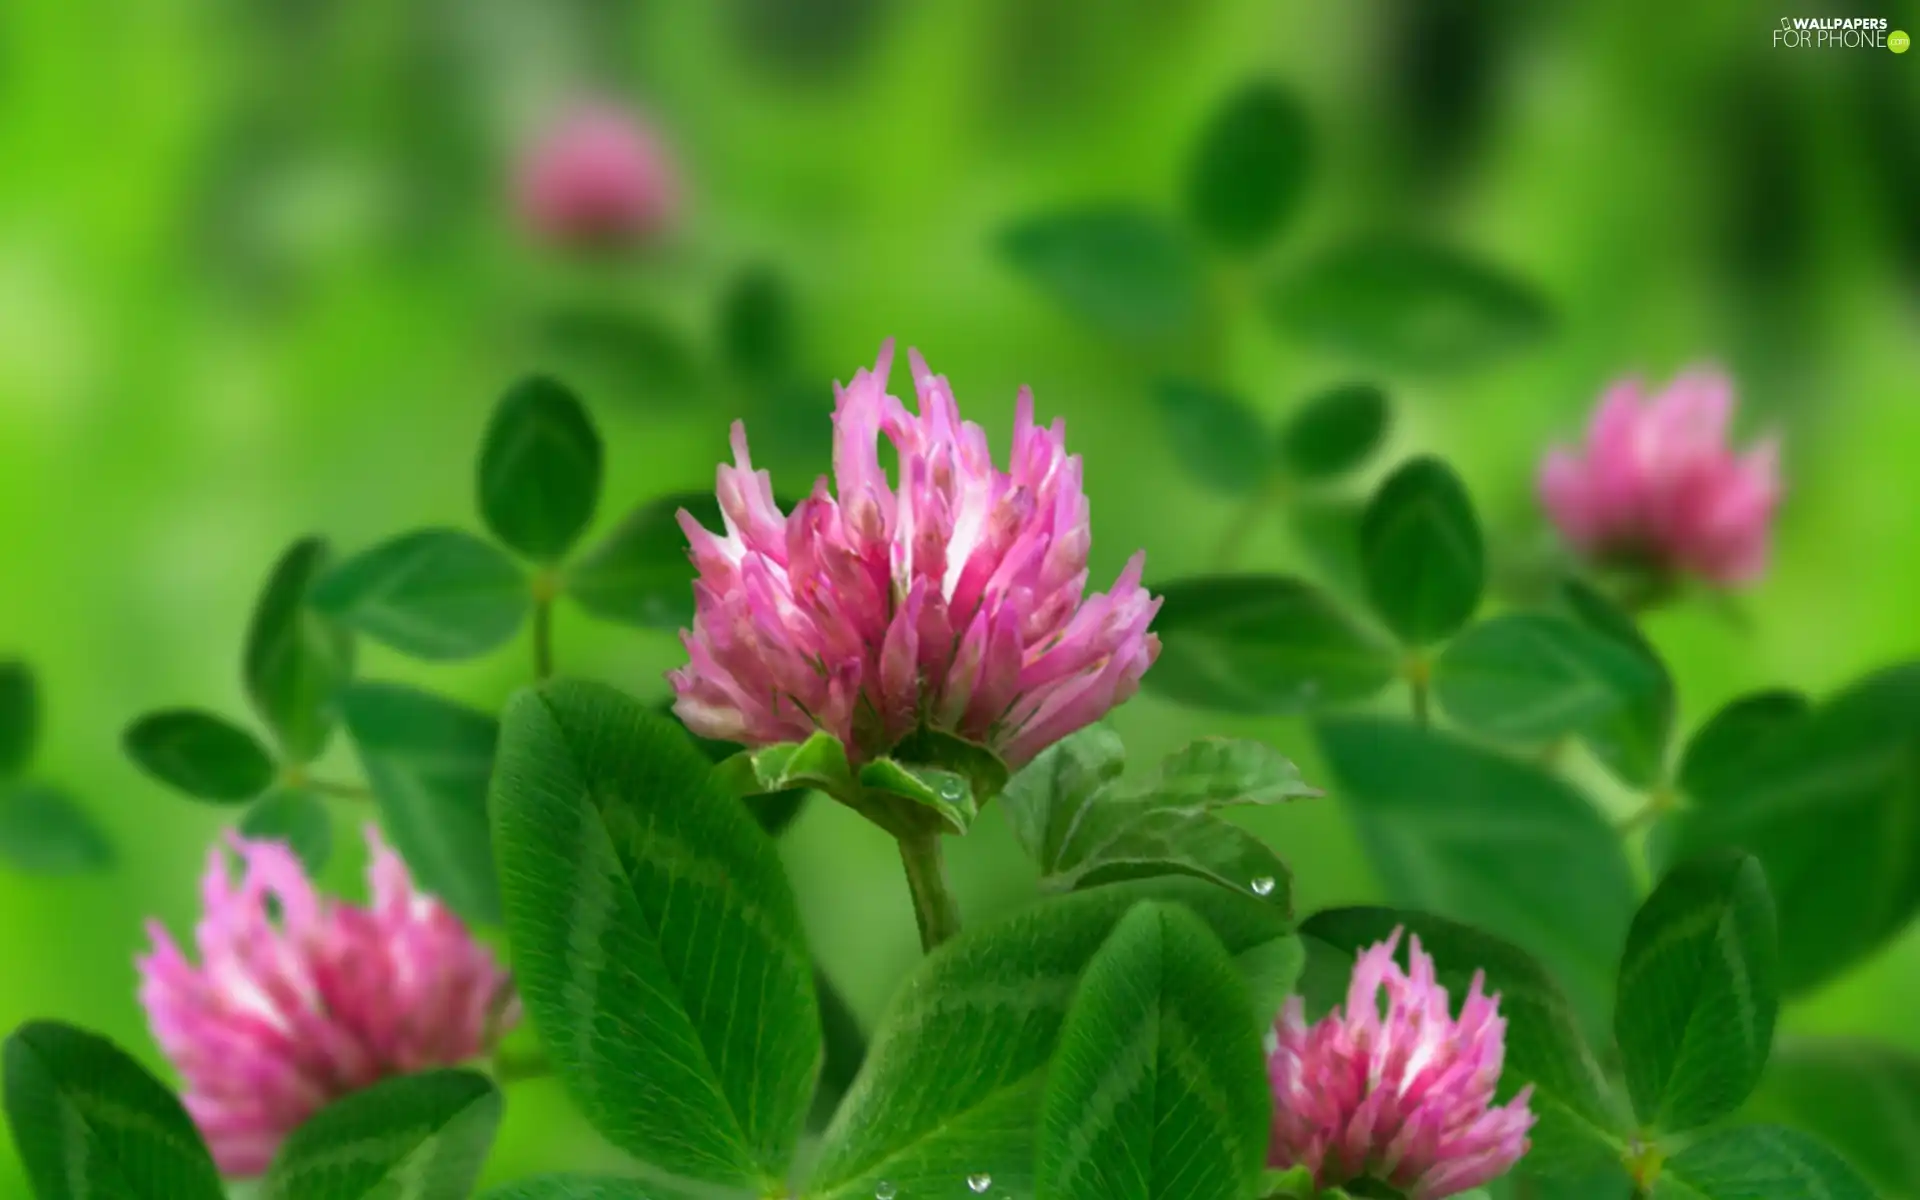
{"x": 260, "y": 275}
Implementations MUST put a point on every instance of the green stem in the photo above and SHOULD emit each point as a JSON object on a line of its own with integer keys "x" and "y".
{"x": 542, "y": 638}
{"x": 1417, "y": 688}
{"x": 933, "y": 904}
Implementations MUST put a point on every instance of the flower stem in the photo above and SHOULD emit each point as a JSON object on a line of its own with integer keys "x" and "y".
{"x": 542, "y": 638}
{"x": 1418, "y": 675}
{"x": 933, "y": 903}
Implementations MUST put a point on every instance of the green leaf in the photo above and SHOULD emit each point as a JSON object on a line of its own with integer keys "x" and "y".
{"x": 1250, "y": 167}
{"x": 1500, "y": 844}
{"x": 204, "y": 755}
{"x": 1410, "y": 305}
{"x": 658, "y": 947}
{"x": 434, "y": 594}
{"x": 1421, "y": 552}
{"x": 773, "y": 810}
{"x": 1578, "y": 1128}
{"x": 44, "y": 831}
{"x": 428, "y": 761}
{"x": 1327, "y": 533}
{"x": 1699, "y": 990}
{"x": 1262, "y": 645}
{"x": 1632, "y": 740}
{"x": 297, "y": 818}
{"x": 1159, "y": 1086}
{"x": 1718, "y": 754}
{"x": 1122, "y": 269}
{"x": 946, "y": 795}
{"x": 89, "y": 1121}
{"x": 424, "y": 1137}
{"x": 296, "y": 660}
{"x": 819, "y": 762}
{"x": 1532, "y": 677}
{"x": 634, "y": 356}
{"x": 540, "y": 469}
{"x": 757, "y": 325}
{"x": 985, "y": 773}
{"x": 1215, "y": 436}
{"x": 1861, "y": 1097}
{"x": 929, "y": 1111}
{"x": 19, "y": 717}
{"x": 1840, "y": 786}
{"x": 1335, "y": 431}
{"x": 1760, "y": 1162}
{"x": 640, "y": 574}
{"x": 1084, "y": 828}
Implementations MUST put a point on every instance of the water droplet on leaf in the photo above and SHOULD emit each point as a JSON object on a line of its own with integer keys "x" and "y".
{"x": 884, "y": 1191}
{"x": 1263, "y": 886}
{"x": 979, "y": 1183}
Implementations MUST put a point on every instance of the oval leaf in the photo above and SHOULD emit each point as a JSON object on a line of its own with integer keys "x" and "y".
{"x": 429, "y": 761}
{"x": 1421, "y": 551}
{"x": 1632, "y": 740}
{"x": 1578, "y": 1130}
{"x": 1760, "y": 1162}
{"x": 1335, "y": 431}
{"x": 204, "y": 755}
{"x": 641, "y": 575}
{"x": 1698, "y": 993}
{"x": 540, "y": 469}
{"x": 632, "y": 356}
{"x": 1262, "y": 644}
{"x": 1410, "y": 305}
{"x": 1159, "y": 1086}
{"x": 298, "y": 819}
{"x": 434, "y": 594}
{"x": 90, "y": 1121}
{"x": 423, "y": 1136}
{"x": 19, "y": 717}
{"x": 1482, "y": 838}
{"x": 1250, "y": 167}
{"x": 296, "y": 660}
{"x": 1532, "y": 677}
{"x": 1716, "y": 756}
{"x": 607, "y": 822}
{"x": 1122, "y": 269}
{"x": 43, "y": 831}
{"x": 928, "y": 1112}
{"x": 1841, "y": 785}
{"x": 1216, "y": 437}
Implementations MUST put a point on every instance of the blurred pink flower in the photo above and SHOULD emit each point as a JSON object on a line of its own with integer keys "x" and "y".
{"x": 295, "y": 1006}
{"x": 1658, "y": 484}
{"x": 1405, "y": 1099}
{"x": 599, "y": 177}
{"x": 955, "y": 603}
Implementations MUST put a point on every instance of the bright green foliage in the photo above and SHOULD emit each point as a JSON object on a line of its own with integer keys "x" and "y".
{"x": 296, "y": 660}
{"x": 417, "y": 1137}
{"x": 1334, "y": 431}
{"x": 200, "y": 753}
{"x": 19, "y": 717}
{"x": 43, "y": 830}
{"x": 1215, "y": 435}
{"x": 428, "y": 761}
{"x": 1159, "y": 1086}
{"x": 1421, "y": 552}
{"x": 639, "y": 574}
{"x": 1760, "y": 1162}
{"x": 1250, "y": 168}
{"x": 657, "y": 946}
{"x": 540, "y": 469}
{"x": 295, "y": 817}
{"x": 90, "y": 1122}
{"x": 1262, "y": 644}
{"x": 1122, "y": 269}
{"x": 434, "y": 594}
{"x": 1698, "y": 992}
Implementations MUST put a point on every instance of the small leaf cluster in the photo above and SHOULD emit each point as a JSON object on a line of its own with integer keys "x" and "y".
{"x": 43, "y": 828}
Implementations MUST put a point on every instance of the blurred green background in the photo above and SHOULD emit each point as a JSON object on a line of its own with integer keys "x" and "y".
{"x": 259, "y": 277}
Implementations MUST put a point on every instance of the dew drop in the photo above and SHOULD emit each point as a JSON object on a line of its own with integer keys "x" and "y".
{"x": 1263, "y": 886}
{"x": 979, "y": 1183}
{"x": 885, "y": 1191}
